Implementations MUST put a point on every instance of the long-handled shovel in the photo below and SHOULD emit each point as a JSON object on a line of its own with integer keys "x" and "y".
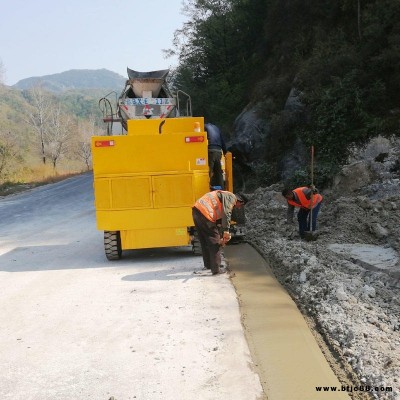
{"x": 311, "y": 235}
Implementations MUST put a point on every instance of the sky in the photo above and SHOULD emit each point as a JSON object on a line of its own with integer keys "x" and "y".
{"x": 44, "y": 37}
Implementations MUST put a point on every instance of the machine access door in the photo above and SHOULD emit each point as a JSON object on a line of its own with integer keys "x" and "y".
{"x": 175, "y": 190}
{"x": 123, "y": 193}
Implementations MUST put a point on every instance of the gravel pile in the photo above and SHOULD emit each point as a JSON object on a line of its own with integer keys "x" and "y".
{"x": 348, "y": 280}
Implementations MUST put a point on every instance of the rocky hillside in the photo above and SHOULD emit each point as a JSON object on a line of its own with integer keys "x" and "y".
{"x": 348, "y": 280}
{"x": 75, "y": 79}
{"x": 282, "y": 74}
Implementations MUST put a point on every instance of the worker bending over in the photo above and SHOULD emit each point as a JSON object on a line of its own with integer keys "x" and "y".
{"x": 305, "y": 198}
{"x": 210, "y": 211}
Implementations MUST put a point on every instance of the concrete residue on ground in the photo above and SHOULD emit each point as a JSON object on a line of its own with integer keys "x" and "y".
{"x": 348, "y": 280}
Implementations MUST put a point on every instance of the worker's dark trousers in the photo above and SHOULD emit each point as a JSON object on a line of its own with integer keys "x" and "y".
{"x": 214, "y": 163}
{"x": 209, "y": 239}
{"x": 304, "y": 220}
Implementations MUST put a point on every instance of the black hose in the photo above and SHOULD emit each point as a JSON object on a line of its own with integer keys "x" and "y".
{"x": 160, "y": 126}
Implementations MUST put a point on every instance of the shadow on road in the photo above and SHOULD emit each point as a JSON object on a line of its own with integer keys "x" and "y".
{"x": 167, "y": 275}
{"x": 84, "y": 255}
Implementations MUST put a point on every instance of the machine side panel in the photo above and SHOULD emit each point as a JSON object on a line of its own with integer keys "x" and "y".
{"x": 131, "y": 192}
{"x": 169, "y": 125}
{"x": 149, "y": 153}
{"x": 153, "y": 218}
{"x": 173, "y": 191}
{"x": 151, "y": 238}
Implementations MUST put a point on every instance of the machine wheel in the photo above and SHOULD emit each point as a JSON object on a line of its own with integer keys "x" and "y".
{"x": 196, "y": 246}
{"x": 112, "y": 245}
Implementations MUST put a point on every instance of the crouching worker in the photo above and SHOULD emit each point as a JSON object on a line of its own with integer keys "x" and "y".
{"x": 305, "y": 198}
{"x": 210, "y": 211}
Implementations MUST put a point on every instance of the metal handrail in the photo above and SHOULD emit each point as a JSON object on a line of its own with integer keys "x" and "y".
{"x": 188, "y": 103}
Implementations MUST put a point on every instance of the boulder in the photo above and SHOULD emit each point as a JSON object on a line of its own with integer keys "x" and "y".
{"x": 352, "y": 178}
{"x": 248, "y": 143}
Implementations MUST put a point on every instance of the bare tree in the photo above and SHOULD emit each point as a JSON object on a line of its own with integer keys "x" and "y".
{"x": 8, "y": 153}
{"x": 40, "y": 115}
{"x": 85, "y": 153}
{"x": 59, "y": 134}
{"x": 84, "y": 150}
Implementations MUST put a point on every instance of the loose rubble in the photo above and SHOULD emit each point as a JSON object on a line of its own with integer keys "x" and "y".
{"x": 348, "y": 280}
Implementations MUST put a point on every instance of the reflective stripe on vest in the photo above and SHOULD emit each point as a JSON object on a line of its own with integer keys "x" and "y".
{"x": 210, "y": 206}
{"x": 304, "y": 202}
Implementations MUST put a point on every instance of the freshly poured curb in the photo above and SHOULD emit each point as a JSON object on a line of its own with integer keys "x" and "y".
{"x": 289, "y": 361}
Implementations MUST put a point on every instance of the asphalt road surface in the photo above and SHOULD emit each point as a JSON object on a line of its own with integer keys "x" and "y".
{"x": 76, "y": 326}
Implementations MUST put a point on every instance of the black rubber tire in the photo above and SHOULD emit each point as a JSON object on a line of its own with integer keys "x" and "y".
{"x": 112, "y": 245}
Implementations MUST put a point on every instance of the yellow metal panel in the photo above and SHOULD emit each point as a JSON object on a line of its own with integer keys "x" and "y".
{"x": 173, "y": 191}
{"x": 201, "y": 184}
{"x": 131, "y": 192}
{"x": 228, "y": 172}
{"x": 148, "y": 153}
{"x": 118, "y": 220}
{"x": 150, "y": 238}
{"x": 169, "y": 125}
{"x": 102, "y": 194}
{"x": 174, "y": 206}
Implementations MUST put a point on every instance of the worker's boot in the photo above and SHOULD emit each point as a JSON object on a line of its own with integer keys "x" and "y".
{"x": 220, "y": 270}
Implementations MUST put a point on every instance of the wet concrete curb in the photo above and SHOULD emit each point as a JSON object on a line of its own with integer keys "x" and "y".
{"x": 287, "y": 356}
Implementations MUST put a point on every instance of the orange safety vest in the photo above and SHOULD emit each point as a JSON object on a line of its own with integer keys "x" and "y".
{"x": 210, "y": 206}
{"x": 304, "y": 202}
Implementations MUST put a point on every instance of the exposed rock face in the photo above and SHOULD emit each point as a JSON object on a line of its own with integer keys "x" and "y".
{"x": 352, "y": 177}
{"x": 293, "y": 102}
{"x": 248, "y": 148}
{"x": 378, "y": 149}
{"x": 372, "y": 169}
{"x": 249, "y": 144}
{"x": 250, "y": 131}
{"x": 293, "y": 160}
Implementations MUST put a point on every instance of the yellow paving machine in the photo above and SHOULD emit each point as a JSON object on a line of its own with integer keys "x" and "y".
{"x": 147, "y": 178}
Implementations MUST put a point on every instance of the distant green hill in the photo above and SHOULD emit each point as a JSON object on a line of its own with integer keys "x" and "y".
{"x": 75, "y": 79}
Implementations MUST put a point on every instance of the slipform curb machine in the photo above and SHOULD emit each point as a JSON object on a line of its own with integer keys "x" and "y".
{"x": 147, "y": 179}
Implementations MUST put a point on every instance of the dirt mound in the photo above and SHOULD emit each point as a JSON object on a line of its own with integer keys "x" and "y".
{"x": 348, "y": 280}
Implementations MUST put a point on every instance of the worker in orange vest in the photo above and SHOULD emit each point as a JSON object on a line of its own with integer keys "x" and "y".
{"x": 212, "y": 210}
{"x": 301, "y": 197}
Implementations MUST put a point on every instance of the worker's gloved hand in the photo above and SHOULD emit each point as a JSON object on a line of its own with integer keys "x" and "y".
{"x": 226, "y": 237}
{"x": 314, "y": 189}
